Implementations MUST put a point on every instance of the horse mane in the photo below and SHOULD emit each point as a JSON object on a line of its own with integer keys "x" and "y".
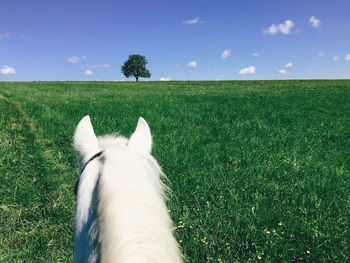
{"x": 133, "y": 218}
{"x": 128, "y": 221}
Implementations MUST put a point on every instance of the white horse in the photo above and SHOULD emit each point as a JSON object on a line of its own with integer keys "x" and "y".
{"x": 121, "y": 215}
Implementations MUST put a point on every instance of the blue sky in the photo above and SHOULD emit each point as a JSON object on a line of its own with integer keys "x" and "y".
{"x": 182, "y": 40}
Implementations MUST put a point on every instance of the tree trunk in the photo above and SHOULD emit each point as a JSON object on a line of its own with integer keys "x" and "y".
{"x": 137, "y": 78}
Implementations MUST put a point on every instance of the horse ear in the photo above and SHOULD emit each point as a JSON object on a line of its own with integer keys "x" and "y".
{"x": 141, "y": 140}
{"x": 85, "y": 140}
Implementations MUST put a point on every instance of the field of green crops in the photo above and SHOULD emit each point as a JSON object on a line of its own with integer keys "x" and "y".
{"x": 259, "y": 170}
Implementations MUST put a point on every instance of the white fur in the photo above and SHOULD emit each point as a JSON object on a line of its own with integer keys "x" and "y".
{"x": 121, "y": 215}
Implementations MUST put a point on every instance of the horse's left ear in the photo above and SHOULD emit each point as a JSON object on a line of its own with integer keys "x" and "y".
{"x": 85, "y": 141}
{"x": 141, "y": 140}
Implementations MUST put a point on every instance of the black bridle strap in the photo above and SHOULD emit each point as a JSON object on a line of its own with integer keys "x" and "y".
{"x": 91, "y": 159}
{"x": 82, "y": 170}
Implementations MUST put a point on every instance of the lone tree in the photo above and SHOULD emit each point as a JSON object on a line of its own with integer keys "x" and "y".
{"x": 136, "y": 66}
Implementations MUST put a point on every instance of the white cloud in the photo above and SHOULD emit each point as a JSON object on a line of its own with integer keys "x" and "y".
{"x": 288, "y": 65}
{"x": 286, "y": 27}
{"x": 335, "y": 58}
{"x": 165, "y": 79}
{"x": 248, "y": 70}
{"x": 195, "y": 20}
{"x": 226, "y": 53}
{"x": 321, "y": 54}
{"x": 283, "y": 72}
{"x": 5, "y": 36}
{"x": 75, "y": 59}
{"x": 347, "y": 57}
{"x": 6, "y": 70}
{"x": 100, "y": 66}
{"x": 273, "y": 29}
{"x": 315, "y": 22}
{"x": 88, "y": 72}
{"x": 281, "y": 28}
{"x": 192, "y": 64}
{"x": 255, "y": 54}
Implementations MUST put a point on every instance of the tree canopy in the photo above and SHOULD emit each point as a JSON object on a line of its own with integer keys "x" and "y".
{"x": 136, "y": 66}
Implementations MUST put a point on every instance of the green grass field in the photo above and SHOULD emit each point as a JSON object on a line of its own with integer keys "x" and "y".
{"x": 260, "y": 170}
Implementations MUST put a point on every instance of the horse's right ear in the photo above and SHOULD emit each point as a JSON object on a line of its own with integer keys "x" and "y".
{"x": 141, "y": 140}
{"x": 85, "y": 140}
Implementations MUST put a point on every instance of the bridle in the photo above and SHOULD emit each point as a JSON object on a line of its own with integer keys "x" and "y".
{"x": 82, "y": 170}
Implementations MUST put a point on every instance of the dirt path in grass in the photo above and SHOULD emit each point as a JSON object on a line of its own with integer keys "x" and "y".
{"x": 29, "y": 196}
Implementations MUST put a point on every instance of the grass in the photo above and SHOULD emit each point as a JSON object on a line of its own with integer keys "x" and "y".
{"x": 260, "y": 170}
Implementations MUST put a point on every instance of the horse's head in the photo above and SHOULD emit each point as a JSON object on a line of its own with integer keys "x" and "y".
{"x": 86, "y": 144}
{"x": 91, "y": 151}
